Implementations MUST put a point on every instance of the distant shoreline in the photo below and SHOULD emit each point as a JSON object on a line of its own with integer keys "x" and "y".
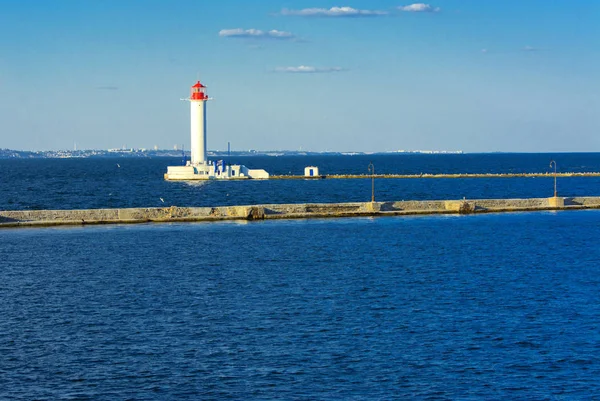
{"x": 215, "y": 154}
{"x": 144, "y": 153}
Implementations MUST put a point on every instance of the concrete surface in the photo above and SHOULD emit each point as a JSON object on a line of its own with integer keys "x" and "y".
{"x": 23, "y": 218}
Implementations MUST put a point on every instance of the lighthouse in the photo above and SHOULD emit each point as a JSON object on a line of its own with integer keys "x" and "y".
{"x": 199, "y": 167}
{"x": 198, "y": 99}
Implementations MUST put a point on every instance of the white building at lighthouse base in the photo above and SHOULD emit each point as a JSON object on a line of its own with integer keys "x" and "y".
{"x": 214, "y": 171}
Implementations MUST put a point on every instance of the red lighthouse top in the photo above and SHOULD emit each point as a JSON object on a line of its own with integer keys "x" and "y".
{"x": 198, "y": 92}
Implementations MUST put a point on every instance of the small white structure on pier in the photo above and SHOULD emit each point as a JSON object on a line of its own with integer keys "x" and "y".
{"x": 199, "y": 167}
{"x": 311, "y": 171}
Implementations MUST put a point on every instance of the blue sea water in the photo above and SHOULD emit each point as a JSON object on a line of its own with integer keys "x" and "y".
{"x": 131, "y": 182}
{"x": 494, "y": 307}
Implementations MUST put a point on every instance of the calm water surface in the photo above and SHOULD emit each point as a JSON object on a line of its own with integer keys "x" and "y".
{"x": 130, "y": 182}
{"x": 491, "y": 307}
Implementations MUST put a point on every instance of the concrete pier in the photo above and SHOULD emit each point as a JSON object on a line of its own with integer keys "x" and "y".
{"x": 461, "y": 175}
{"x": 41, "y": 218}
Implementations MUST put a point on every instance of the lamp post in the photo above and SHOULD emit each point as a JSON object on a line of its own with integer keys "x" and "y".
{"x": 552, "y": 162}
{"x": 371, "y": 170}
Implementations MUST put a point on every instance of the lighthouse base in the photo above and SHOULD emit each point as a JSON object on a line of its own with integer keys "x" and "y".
{"x": 212, "y": 171}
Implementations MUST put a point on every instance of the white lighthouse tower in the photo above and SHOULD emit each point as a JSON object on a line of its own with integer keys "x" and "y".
{"x": 199, "y": 167}
{"x": 198, "y": 99}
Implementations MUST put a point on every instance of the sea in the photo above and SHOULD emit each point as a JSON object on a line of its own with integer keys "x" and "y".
{"x": 469, "y": 307}
{"x": 29, "y": 184}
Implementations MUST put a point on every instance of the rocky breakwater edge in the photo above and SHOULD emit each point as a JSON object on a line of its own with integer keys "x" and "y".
{"x": 443, "y": 175}
{"x": 46, "y": 218}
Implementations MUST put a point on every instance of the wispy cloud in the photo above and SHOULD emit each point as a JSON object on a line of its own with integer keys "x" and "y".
{"x": 256, "y": 34}
{"x": 306, "y": 69}
{"x": 333, "y": 12}
{"x": 526, "y": 49}
{"x": 419, "y": 8}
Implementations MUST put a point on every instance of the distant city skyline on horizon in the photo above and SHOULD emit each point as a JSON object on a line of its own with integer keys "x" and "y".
{"x": 358, "y": 76}
{"x": 176, "y": 152}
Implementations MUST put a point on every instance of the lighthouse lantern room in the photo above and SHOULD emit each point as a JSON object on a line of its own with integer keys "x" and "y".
{"x": 198, "y": 92}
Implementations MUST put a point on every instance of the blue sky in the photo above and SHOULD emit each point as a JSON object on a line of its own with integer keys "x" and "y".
{"x": 358, "y": 75}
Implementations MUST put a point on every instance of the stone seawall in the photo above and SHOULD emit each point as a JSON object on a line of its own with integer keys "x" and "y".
{"x": 442, "y": 175}
{"x": 23, "y": 218}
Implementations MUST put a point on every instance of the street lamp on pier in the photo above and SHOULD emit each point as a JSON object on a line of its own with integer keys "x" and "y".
{"x": 372, "y": 171}
{"x": 552, "y": 162}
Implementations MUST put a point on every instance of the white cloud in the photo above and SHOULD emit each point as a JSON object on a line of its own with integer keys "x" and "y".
{"x": 255, "y": 33}
{"x": 333, "y": 12}
{"x": 419, "y": 8}
{"x": 308, "y": 69}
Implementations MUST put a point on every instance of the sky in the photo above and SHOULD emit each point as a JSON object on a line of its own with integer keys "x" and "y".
{"x": 352, "y": 76}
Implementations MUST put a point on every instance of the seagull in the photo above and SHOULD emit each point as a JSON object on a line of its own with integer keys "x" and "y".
{"x": 118, "y": 165}
{"x": 162, "y": 200}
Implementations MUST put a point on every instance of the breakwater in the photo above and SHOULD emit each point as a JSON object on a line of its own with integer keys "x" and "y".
{"x": 426, "y": 175}
{"x": 41, "y": 218}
